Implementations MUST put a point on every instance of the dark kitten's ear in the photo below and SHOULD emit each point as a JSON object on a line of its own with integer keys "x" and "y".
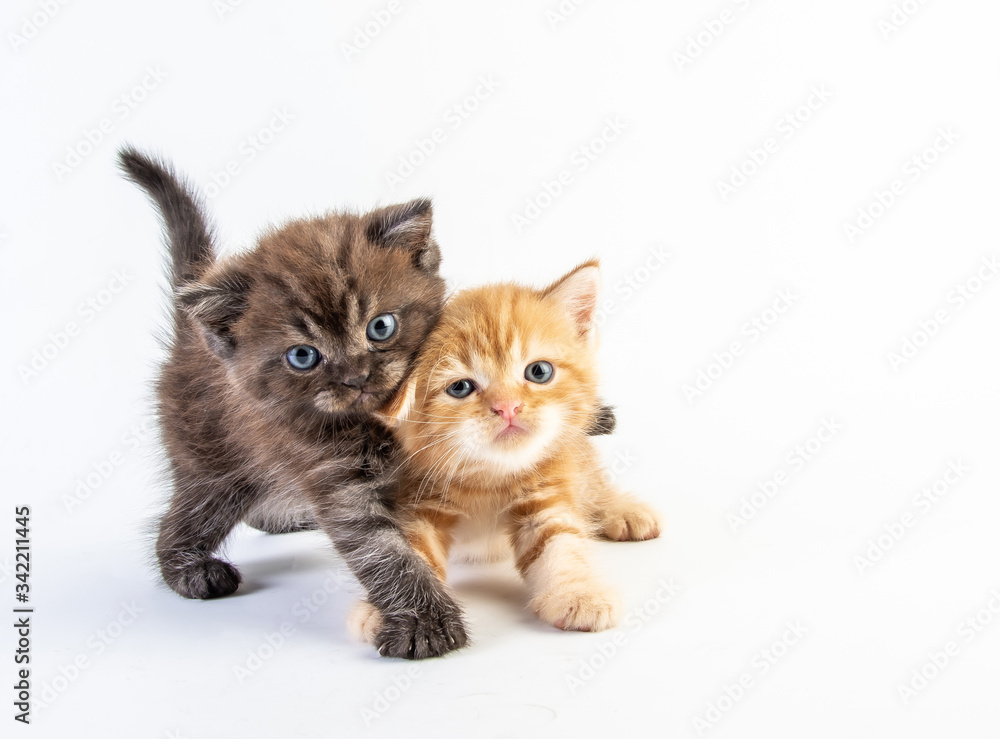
{"x": 215, "y": 304}
{"x": 407, "y": 227}
{"x": 603, "y": 422}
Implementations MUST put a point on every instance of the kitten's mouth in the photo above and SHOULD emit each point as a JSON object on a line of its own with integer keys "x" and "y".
{"x": 351, "y": 403}
{"x": 362, "y": 400}
{"x": 512, "y": 430}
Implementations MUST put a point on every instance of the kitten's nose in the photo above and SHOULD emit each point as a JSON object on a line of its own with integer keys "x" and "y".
{"x": 355, "y": 381}
{"x": 507, "y": 408}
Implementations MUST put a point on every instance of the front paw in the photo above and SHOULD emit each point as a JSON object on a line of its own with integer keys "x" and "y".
{"x": 428, "y": 633}
{"x": 203, "y": 579}
{"x": 632, "y": 521}
{"x": 578, "y": 607}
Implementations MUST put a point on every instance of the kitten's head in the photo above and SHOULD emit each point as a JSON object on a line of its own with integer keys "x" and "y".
{"x": 505, "y": 378}
{"x": 324, "y": 316}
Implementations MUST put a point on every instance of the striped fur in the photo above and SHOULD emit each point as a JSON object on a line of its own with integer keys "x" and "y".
{"x": 541, "y": 489}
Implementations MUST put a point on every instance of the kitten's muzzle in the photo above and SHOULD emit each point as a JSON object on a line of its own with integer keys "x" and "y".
{"x": 349, "y": 398}
{"x": 355, "y": 382}
{"x": 362, "y": 399}
{"x": 364, "y": 392}
{"x": 511, "y": 430}
{"x": 507, "y": 409}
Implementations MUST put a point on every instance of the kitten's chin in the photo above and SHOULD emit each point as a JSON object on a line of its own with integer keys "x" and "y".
{"x": 516, "y": 448}
{"x": 511, "y": 458}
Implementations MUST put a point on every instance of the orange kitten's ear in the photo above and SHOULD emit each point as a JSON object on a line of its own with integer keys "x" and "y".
{"x": 395, "y": 411}
{"x": 577, "y": 292}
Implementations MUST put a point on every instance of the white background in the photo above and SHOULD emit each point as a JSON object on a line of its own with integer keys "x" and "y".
{"x": 70, "y": 223}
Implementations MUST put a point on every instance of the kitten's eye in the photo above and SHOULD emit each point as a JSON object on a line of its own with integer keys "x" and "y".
{"x": 460, "y": 389}
{"x": 303, "y": 357}
{"x": 540, "y": 372}
{"x": 381, "y": 327}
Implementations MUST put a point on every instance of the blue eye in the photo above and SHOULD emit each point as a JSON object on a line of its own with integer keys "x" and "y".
{"x": 303, "y": 357}
{"x": 381, "y": 327}
{"x": 461, "y": 389}
{"x": 540, "y": 372}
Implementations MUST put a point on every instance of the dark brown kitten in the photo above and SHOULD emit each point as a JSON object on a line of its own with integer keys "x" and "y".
{"x": 279, "y": 357}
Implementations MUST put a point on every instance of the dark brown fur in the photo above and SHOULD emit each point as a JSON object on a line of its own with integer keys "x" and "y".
{"x": 251, "y": 438}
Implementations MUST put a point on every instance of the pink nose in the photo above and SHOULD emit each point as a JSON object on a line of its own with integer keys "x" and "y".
{"x": 507, "y": 408}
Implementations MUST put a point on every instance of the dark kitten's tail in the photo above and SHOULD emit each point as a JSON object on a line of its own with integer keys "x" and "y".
{"x": 186, "y": 225}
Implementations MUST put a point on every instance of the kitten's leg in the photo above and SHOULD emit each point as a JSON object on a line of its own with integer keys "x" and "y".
{"x": 617, "y": 515}
{"x": 269, "y": 526}
{"x": 552, "y": 553}
{"x": 429, "y": 535}
{"x": 201, "y": 515}
{"x": 419, "y": 618}
{"x": 274, "y": 518}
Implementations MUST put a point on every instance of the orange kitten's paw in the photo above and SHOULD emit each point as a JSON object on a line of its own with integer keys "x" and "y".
{"x": 633, "y": 521}
{"x": 578, "y": 607}
{"x": 364, "y": 622}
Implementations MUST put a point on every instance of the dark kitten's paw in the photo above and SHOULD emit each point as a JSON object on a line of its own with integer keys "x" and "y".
{"x": 210, "y": 578}
{"x": 431, "y": 634}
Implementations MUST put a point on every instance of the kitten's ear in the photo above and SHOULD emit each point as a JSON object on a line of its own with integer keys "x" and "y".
{"x": 395, "y": 411}
{"x": 215, "y": 304}
{"x": 406, "y": 227}
{"x": 577, "y": 293}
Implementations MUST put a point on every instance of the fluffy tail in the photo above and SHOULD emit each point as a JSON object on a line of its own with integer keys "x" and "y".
{"x": 187, "y": 229}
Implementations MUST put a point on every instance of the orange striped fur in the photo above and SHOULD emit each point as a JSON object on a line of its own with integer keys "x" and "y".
{"x": 538, "y": 492}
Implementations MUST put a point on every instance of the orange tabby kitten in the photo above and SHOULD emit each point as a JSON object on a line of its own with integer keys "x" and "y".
{"x": 494, "y": 422}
